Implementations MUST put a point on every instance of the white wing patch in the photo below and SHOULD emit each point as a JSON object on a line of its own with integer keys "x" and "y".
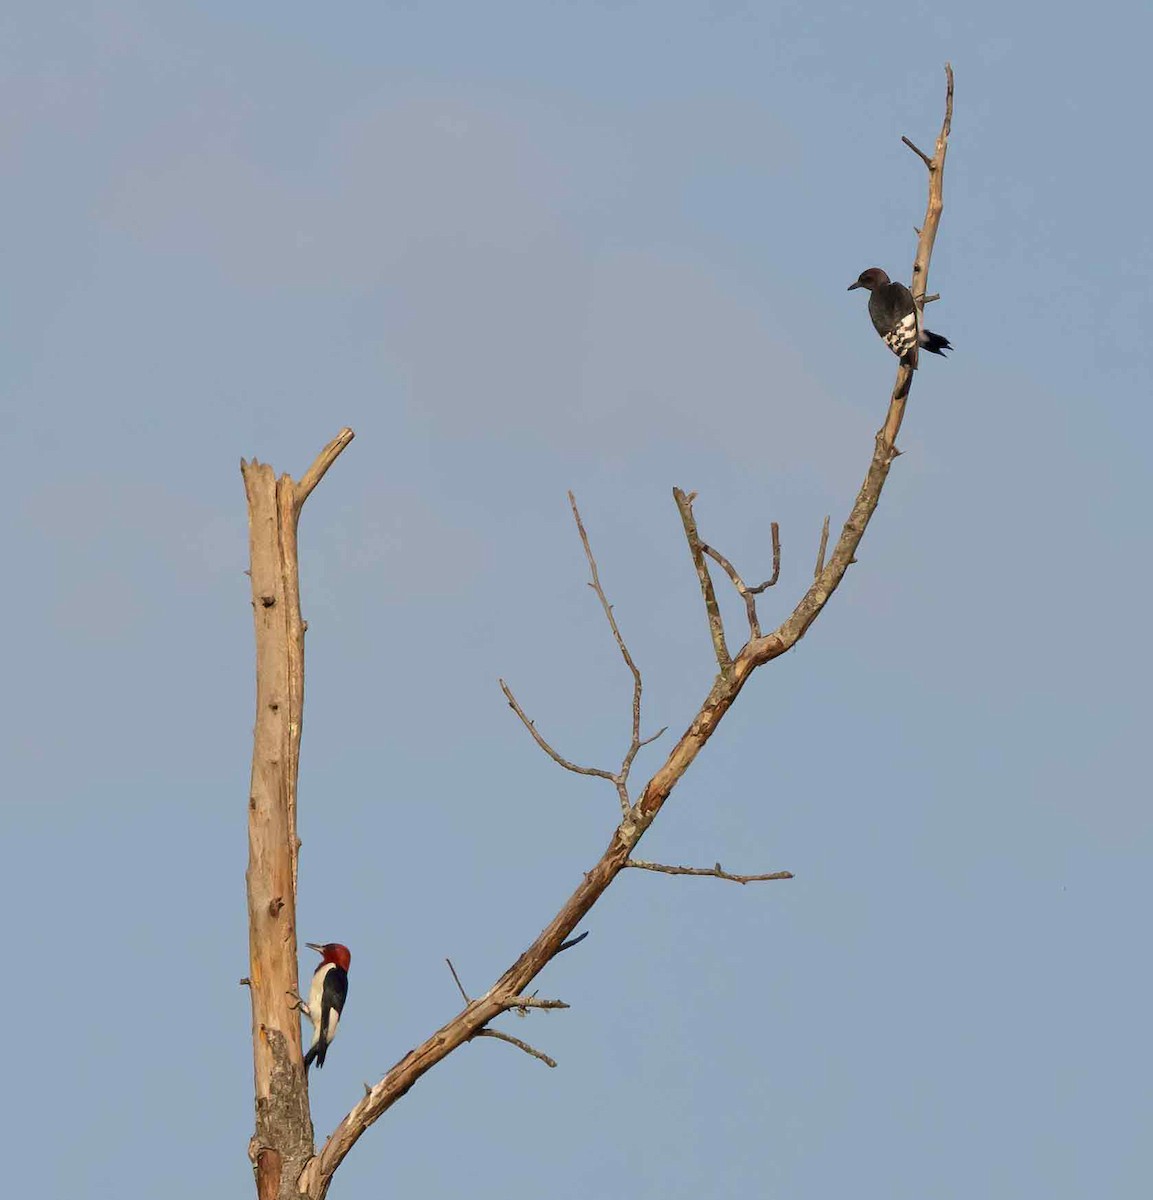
{"x": 907, "y": 335}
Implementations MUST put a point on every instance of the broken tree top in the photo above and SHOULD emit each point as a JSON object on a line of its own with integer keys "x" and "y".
{"x": 897, "y": 318}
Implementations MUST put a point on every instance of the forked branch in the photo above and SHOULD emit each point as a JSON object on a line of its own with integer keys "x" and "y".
{"x": 496, "y": 1033}
{"x": 749, "y": 594}
{"x": 509, "y": 989}
{"x": 619, "y": 778}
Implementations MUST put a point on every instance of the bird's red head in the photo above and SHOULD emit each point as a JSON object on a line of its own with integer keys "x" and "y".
{"x": 332, "y": 952}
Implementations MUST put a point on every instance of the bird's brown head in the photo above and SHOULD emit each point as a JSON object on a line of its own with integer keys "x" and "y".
{"x": 870, "y": 280}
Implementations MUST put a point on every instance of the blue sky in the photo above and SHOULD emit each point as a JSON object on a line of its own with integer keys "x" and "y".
{"x": 521, "y": 248}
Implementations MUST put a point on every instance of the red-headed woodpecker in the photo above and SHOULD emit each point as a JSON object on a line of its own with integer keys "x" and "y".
{"x": 897, "y": 318}
{"x": 326, "y": 997}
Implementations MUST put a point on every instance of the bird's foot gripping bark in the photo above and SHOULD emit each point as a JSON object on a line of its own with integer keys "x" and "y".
{"x": 298, "y": 1002}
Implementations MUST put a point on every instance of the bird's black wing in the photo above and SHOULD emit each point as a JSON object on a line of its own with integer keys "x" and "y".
{"x": 896, "y": 319}
{"x": 336, "y": 989}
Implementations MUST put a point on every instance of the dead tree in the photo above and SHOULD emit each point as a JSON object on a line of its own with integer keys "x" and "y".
{"x": 286, "y": 1161}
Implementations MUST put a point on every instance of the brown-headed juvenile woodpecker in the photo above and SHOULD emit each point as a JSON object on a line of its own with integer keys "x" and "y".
{"x": 326, "y": 998}
{"x": 897, "y": 318}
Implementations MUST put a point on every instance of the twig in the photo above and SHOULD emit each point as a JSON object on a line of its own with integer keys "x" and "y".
{"x": 496, "y": 1033}
{"x": 324, "y": 460}
{"x": 621, "y": 778}
{"x": 712, "y": 610}
{"x": 772, "y": 579}
{"x": 512, "y": 1041}
{"x": 715, "y": 872}
{"x": 595, "y": 584}
{"x": 919, "y": 153}
{"x": 531, "y": 727}
{"x": 460, "y": 986}
{"x": 533, "y": 1001}
{"x": 746, "y": 593}
{"x": 821, "y": 550}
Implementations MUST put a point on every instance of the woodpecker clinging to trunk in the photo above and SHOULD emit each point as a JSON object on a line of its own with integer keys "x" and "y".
{"x": 897, "y": 318}
{"x": 326, "y": 998}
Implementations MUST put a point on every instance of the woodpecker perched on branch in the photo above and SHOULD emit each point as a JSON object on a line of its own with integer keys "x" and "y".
{"x": 897, "y": 318}
{"x": 326, "y": 998}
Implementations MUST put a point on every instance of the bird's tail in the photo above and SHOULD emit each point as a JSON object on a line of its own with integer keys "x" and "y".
{"x": 935, "y": 343}
{"x": 315, "y": 1053}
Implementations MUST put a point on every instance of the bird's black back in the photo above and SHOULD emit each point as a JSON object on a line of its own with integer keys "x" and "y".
{"x": 889, "y": 305}
{"x": 336, "y": 988}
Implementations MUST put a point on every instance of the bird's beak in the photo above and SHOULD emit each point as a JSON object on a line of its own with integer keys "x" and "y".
{"x": 315, "y": 946}
{"x": 853, "y": 285}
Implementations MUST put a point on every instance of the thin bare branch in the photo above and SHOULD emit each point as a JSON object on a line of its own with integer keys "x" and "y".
{"x": 744, "y": 592}
{"x": 712, "y": 609}
{"x": 460, "y": 986}
{"x": 621, "y": 779}
{"x": 531, "y": 727}
{"x": 319, "y": 468}
{"x": 772, "y": 579}
{"x": 512, "y": 1041}
{"x": 919, "y": 153}
{"x": 822, "y": 548}
{"x": 714, "y": 872}
{"x": 595, "y": 584}
{"x": 533, "y": 1001}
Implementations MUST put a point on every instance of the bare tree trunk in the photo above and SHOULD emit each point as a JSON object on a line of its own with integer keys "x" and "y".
{"x": 283, "y": 1141}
